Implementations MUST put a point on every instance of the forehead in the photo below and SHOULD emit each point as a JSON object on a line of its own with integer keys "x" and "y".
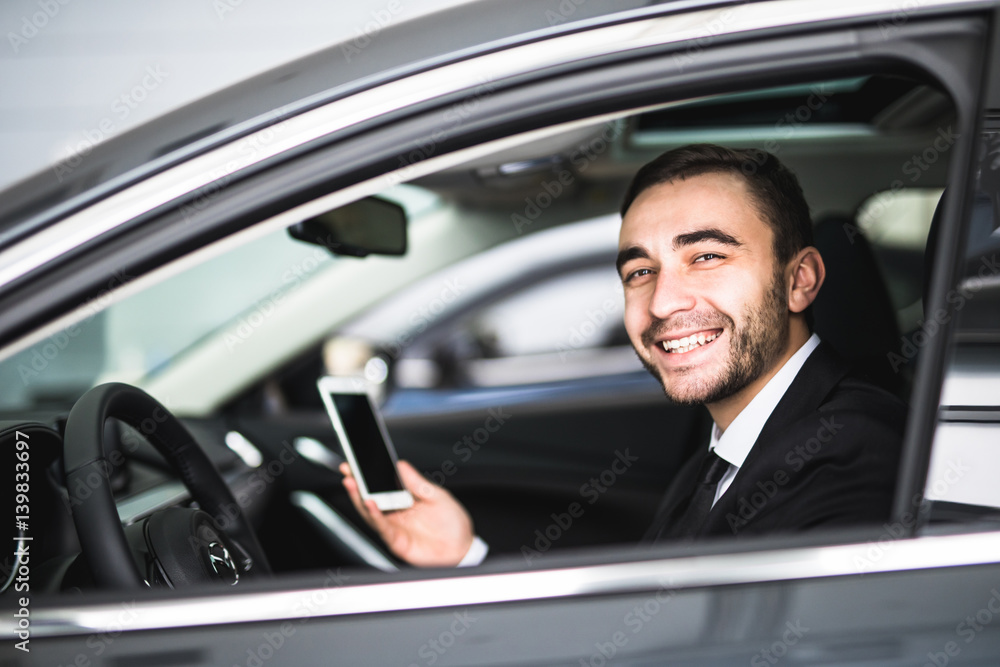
{"x": 714, "y": 200}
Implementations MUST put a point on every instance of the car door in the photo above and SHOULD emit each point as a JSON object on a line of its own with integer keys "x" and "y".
{"x": 756, "y": 601}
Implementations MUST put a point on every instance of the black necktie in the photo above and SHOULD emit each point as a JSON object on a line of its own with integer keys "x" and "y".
{"x": 712, "y": 470}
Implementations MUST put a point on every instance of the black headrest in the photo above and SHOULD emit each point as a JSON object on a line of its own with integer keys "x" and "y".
{"x": 931, "y": 248}
{"x": 853, "y": 311}
{"x": 982, "y": 238}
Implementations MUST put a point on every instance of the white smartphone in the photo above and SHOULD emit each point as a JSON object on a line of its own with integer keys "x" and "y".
{"x": 365, "y": 441}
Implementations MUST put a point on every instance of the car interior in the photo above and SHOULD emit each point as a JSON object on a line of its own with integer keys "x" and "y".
{"x": 502, "y": 305}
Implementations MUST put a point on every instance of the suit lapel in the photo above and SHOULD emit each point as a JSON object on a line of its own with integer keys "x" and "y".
{"x": 816, "y": 379}
{"x": 677, "y": 495}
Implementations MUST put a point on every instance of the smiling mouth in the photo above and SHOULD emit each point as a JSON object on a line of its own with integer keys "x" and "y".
{"x": 688, "y": 343}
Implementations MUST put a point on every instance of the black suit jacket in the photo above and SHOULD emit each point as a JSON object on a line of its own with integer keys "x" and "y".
{"x": 827, "y": 456}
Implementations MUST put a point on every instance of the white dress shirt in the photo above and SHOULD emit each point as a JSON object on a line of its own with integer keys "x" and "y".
{"x": 476, "y": 553}
{"x": 733, "y": 445}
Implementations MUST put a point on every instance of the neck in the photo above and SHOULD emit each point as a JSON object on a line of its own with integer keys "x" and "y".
{"x": 725, "y": 411}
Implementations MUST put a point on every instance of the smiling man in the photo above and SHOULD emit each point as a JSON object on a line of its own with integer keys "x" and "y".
{"x": 719, "y": 274}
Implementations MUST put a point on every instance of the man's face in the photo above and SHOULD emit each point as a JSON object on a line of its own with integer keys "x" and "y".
{"x": 705, "y": 305}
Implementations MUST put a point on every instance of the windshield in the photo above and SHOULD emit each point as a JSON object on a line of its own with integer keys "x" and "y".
{"x": 229, "y": 296}
{"x": 141, "y": 335}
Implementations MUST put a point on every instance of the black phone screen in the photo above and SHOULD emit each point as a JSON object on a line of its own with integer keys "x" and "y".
{"x": 370, "y": 449}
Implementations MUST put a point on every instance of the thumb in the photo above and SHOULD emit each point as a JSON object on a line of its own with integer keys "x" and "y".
{"x": 421, "y": 487}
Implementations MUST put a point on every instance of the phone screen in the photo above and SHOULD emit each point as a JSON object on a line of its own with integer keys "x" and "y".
{"x": 370, "y": 449}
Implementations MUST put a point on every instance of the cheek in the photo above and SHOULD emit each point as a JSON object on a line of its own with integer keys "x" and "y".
{"x": 735, "y": 295}
{"x": 636, "y": 318}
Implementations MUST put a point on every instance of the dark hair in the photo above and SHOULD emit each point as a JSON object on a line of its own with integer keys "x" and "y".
{"x": 774, "y": 188}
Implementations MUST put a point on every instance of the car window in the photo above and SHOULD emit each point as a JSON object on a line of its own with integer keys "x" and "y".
{"x": 227, "y": 298}
{"x": 559, "y": 327}
{"x": 966, "y": 455}
{"x": 896, "y": 223}
{"x": 137, "y": 336}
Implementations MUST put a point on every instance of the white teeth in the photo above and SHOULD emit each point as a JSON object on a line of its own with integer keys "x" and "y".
{"x": 688, "y": 343}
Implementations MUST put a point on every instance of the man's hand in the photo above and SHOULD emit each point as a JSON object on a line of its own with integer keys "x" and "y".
{"x": 435, "y": 532}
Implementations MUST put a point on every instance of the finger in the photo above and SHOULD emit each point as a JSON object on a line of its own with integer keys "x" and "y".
{"x": 351, "y": 486}
{"x": 379, "y": 522}
{"x": 415, "y": 483}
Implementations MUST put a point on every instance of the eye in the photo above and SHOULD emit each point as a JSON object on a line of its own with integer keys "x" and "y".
{"x": 638, "y": 273}
{"x": 707, "y": 256}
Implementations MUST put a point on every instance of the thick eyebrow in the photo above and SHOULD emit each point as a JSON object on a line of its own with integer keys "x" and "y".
{"x": 628, "y": 254}
{"x": 710, "y": 234}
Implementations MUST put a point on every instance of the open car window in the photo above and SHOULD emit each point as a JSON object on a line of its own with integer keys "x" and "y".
{"x": 964, "y": 446}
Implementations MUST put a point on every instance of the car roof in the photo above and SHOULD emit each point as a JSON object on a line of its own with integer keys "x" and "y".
{"x": 393, "y": 50}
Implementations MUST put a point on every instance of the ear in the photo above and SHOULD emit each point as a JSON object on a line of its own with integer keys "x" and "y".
{"x": 807, "y": 275}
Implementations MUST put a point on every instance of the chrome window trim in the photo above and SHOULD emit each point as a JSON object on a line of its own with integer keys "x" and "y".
{"x": 774, "y": 565}
{"x": 116, "y": 210}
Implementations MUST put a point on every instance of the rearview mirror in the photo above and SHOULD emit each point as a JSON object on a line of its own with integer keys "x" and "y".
{"x": 369, "y": 226}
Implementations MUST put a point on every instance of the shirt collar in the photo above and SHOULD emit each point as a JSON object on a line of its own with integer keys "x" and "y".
{"x": 734, "y": 445}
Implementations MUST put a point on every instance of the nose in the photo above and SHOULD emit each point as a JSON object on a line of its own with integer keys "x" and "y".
{"x": 672, "y": 294}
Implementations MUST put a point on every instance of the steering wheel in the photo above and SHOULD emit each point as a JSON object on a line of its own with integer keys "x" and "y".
{"x": 180, "y": 546}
